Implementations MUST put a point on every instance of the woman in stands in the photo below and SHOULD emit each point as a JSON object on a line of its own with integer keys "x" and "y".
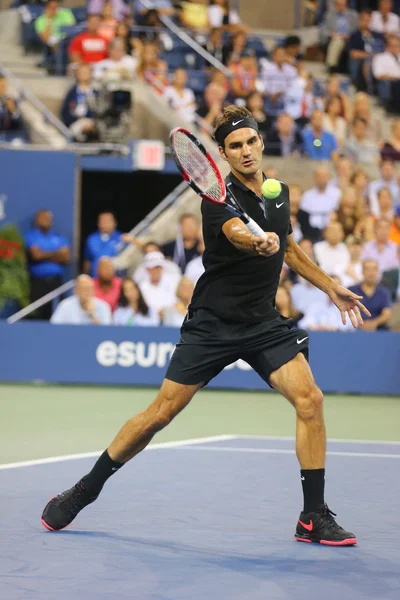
{"x": 360, "y": 181}
{"x": 333, "y": 91}
{"x": 221, "y": 15}
{"x": 180, "y": 97}
{"x": 152, "y": 69}
{"x": 333, "y": 122}
{"x": 362, "y": 108}
{"x": 391, "y": 149}
{"x": 133, "y": 45}
{"x": 132, "y": 308}
{"x": 234, "y": 48}
{"x": 255, "y": 104}
{"x": 173, "y": 315}
{"x": 350, "y": 211}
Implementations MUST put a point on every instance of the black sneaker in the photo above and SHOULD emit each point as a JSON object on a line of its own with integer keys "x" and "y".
{"x": 322, "y": 528}
{"x": 61, "y": 510}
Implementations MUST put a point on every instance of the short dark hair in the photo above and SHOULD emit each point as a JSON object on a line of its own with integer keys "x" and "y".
{"x": 292, "y": 40}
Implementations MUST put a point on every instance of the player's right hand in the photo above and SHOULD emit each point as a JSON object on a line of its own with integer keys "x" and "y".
{"x": 267, "y": 247}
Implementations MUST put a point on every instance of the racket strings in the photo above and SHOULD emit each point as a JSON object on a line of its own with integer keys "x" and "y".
{"x": 197, "y": 166}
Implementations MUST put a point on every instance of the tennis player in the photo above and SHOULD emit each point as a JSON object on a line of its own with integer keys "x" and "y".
{"x": 233, "y": 315}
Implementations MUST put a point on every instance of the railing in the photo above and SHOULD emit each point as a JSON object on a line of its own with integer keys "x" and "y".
{"x": 25, "y": 94}
{"x": 136, "y": 231}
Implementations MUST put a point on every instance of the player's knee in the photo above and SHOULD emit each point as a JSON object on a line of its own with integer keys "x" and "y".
{"x": 309, "y": 405}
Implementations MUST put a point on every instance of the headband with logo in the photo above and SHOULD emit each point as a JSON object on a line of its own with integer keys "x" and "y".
{"x": 222, "y": 132}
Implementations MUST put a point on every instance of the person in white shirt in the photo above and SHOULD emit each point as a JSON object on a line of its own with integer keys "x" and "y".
{"x": 173, "y": 315}
{"x": 388, "y": 180}
{"x": 382, "y": 250}
{"x": 158, "y": 291}
{"x": 386, "y": 70}
{"x": 221, "y": 15}
{"x": 323, "y": 316}
{"x": 384, "y": 20}
{"x": 277, "y": 76}
{"x": 82, "y": 308}
{"x": 304, "y": 293}
{"x": 352, "y": 274}
{"x": 171, "y": 271}
{"x": 118, "y": 66}
{"x": 300, "y": 100}
{"x": 332, "y": 254}
{"x": 132, "y": 309}
{"x": 181, "y": 98}
{"x": 320, "y": 200}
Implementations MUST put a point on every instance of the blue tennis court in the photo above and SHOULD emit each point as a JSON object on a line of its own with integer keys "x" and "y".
{"x": 204, "y": 519}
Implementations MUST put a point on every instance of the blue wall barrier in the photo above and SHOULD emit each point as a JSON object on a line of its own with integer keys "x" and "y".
{"x": 365, "y": 363}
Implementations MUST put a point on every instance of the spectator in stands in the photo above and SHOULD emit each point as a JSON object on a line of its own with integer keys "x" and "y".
{"x": 82, "y": 308}
{"x": 180, "y": 97}
{"x": 295, "y": 194}
{"x": 48, "y": 28}
{"x": 106, "y": 241}
{"x": 376, "y": 298}
{"x": 255, "y": 104}
{"x": 108, "y": 23}
{"x": 333, "y": 91}
{"x": 277, "y": 76}
{"x": 158, "y": 291}
{"x": 163, "y": 7}
{"x": 384, "y": 20}
{"x": 171, "y": 271}
{"x": 331, "y": 254}
{"x": 221, "y": 15}
{"x": 160, "y": 37}
{"x": 319, "y": 144}
{"x": 351, "y": 274}
{"x": 174, "y": 315}
{"x": 349, "y": 212}
{"x": 386, "y": 180}
{"x": 193, "y": 14}
{"x": 232, "y": 50}
{"x": 132, "y": 45}
{"x": 78, "y": 111}
{"x": 363, "y": 45}
{"x": 195, "y": 268}
{"x": 185, "y": 247}
{"x": 333, "y": 122}
{"x": 344, "y": 172}
{"x": 119, "y": 66}
{"x": 119, "y": 9}
{"x": 394, "y": 233}
{"x": 382, "y": 250}
{"x": 152, "y": 69}
{"x": 324, "y": 316}
{"x": 283, "y": 139}
{"x": 391, "y": 148}
{"x": 218, "y": 77}
{"x": 88, "y": 46}
{"x": 362, "y": 108}
{"x": 300, "y": 100}
{"x": 132, "y": 309}
{"x": 336, "y": 29}
{"x": 107, "y": 286}
{"x": 48, "y": 253}
{"x": 214, "y": 44}
{"x": 303, "y": 294}
{"x": 358, "y": 148}
{"x": 211, "y": 109}
{"x": 283, "y": 304}
{"x": 10, "y": 115}
{"x": 360, "y": 182}
{"x": 385, "y": 203}
{"x": 386, "y": 70}
{"x": 245, "y": 73}
{"x": 318, "y": 203}
{"x": 292, "y": 45}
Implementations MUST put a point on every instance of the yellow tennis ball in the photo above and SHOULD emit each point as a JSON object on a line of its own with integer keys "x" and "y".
{"x": 271, "y": 188}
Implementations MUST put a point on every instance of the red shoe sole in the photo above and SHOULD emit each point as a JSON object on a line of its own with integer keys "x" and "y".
{"x": 348, "y": 542}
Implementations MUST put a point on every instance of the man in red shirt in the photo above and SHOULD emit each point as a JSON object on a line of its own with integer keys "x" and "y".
{"x": 89, "y": 46}
{"x": 107, "y": 286}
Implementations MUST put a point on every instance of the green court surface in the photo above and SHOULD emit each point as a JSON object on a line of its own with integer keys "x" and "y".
{"x": 38, "y": 421}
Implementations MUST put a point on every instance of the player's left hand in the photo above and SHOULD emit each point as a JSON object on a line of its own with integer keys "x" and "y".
{"x": 348, "y": 302}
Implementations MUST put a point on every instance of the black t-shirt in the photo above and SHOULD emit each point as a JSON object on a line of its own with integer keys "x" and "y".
{"x": 236, "y": 285}
{"x": 184, "y": 258}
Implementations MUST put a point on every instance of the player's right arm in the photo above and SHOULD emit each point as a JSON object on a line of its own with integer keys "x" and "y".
{"x": 242, "y": 238}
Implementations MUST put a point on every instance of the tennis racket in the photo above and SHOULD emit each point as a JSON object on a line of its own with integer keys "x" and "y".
{"x": 202, "y": 174}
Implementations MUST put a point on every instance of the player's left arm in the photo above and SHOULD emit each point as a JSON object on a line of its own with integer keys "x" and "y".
{"x": 345, "y": 300}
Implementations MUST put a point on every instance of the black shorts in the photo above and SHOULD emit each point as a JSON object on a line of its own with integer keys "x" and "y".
{"x": 208, "y": 344}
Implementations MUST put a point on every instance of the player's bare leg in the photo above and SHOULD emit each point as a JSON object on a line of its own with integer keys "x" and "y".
{"x": 295, "y": 382}
{"x": 131, "y": 439}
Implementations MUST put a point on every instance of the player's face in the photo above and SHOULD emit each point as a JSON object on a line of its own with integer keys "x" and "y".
{"x": 243, "y": 151}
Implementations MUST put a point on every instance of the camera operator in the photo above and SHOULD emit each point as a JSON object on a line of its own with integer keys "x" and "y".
{"x": 10, "y": 116}
{"x": 79, "y": 110}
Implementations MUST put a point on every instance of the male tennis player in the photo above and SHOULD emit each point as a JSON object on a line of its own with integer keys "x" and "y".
{"x": 232, "y": 315}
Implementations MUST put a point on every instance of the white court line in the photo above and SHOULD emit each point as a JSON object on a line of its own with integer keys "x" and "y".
{"x": 292, "y": 439}
{"x": 282, "y": 451}
{"x": 65, "y": 457}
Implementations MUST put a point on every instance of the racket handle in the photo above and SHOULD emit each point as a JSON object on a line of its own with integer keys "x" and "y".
{"x": 255, "y": 229}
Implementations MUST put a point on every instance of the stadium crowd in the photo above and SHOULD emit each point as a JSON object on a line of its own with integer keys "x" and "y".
{"x": 348, "y": 222}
